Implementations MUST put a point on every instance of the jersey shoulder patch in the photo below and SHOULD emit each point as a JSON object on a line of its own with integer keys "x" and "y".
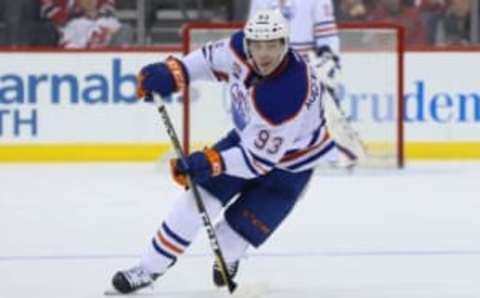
{"x": 281, "y": 98}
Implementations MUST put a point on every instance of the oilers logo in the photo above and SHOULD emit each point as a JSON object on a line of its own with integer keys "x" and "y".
{"x": 240, "y": 108}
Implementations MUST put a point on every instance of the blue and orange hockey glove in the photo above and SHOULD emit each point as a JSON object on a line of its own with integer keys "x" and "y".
{"x": 162, "y": 78}
{"x": 200, "y": 165}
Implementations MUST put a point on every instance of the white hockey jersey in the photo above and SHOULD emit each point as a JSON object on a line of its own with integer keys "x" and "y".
{"x": 312, "y": 22}
{"x": 279, "y": 118}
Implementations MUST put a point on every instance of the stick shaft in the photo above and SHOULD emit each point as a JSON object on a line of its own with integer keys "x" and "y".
{"x": 207, "y": 223}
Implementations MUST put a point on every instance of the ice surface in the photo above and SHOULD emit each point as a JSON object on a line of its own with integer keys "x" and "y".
{"x": 66, "y": 228}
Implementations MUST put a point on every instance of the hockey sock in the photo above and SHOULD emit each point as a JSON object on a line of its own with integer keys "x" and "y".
{"x": 177, "y": 231}
{"x": 232, "y": 244}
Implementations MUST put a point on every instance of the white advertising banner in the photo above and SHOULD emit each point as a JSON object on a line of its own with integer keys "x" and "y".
{"x": 76, "y": 98}
{"x": 442, "y": 101}
{"x": 82, "y": 97}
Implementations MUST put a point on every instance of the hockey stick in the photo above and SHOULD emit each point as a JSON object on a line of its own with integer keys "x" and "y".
{"x": 212, "y": 237}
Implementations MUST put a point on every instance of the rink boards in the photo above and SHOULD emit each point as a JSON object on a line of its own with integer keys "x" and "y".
{"x": 80, "y": 106}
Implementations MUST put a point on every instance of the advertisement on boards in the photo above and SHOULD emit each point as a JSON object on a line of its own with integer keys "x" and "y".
{"x": 62, "y": 98}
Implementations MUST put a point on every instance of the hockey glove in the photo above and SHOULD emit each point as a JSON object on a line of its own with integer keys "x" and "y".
{"x": 200, "y": 165}
{"x": 162, "y": 78}
{"x": 327, "y": 65}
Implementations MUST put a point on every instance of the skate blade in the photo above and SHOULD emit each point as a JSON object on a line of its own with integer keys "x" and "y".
{"x": 112, "y": 292}
{"x": 141, "y": 292}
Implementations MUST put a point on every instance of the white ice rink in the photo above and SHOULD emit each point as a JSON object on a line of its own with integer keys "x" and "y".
{"x": 66, "y": 228}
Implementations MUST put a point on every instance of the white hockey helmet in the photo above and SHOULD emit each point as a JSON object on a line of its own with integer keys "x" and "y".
{"x": 266, "y": 25}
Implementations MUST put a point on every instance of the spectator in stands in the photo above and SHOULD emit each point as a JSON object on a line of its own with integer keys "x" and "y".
{"x": 396, "y": 11}
{"x": 87, "y": 23}
{"x": 23, "y": 25}
{"x": 455, "y": 24}
{"x": 432, "y": 5}
{"x": 18, "y": 17}
{"x": 431, "y": 12}
{"x": 351, "y": 10}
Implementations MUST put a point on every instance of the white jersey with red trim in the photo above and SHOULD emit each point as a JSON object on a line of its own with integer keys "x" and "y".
{"x": 279, "y": 118}
{"x": 312, "y": 22}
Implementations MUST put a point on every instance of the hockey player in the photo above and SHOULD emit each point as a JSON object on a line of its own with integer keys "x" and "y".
{"x": 263, "y": 165}
{"x": 314, "y": 35}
